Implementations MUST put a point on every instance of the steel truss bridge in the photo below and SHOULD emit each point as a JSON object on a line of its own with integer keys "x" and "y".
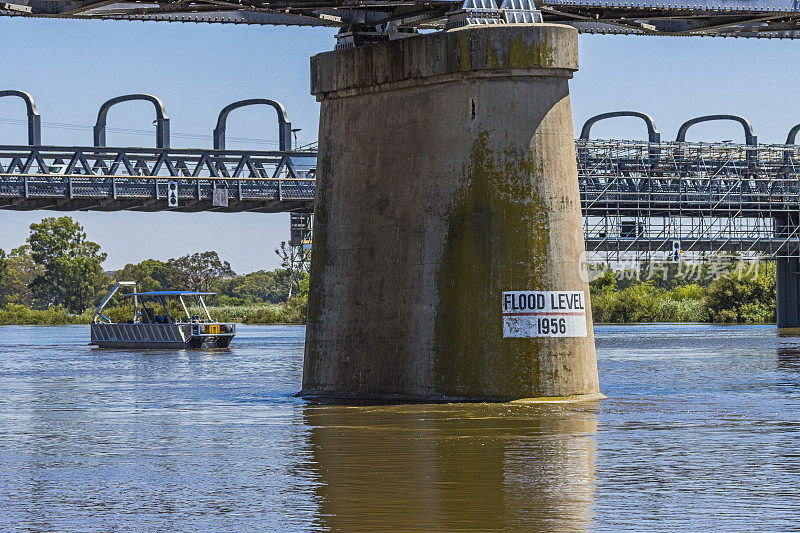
{"x": 139, "y": 179}
{"x": 710, "y": 198}
{"x": 74, "y": 178}
{"x": 645, "y": 201}
{"x": 653, "y": 199}
{"x": 640, "y": 199}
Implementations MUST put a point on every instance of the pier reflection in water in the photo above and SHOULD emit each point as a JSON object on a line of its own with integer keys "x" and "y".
{"x": 789, "y": 350}
{"x": 453, "y": 467}
{"x": 701, "y": 432}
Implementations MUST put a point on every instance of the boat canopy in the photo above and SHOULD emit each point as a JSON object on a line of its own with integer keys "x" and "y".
{"x": 146, "y": 315}
{"x": 171, "y": 293}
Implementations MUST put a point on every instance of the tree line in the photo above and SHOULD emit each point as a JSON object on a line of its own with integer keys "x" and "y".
{"x": 56, "y": 276}
{"x": 59, "y": 270}
{"x": 719, "y": 290}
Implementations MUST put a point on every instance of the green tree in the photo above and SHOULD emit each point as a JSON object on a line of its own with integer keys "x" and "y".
{"x": 304, "y": 285}
{"x": 295, "y": 261}
{"x": 604, "y": 283}
{"x": 20, "y": 271}
{"x": 261, "y": 286}
{"x": 4, "y": 275}
{"x": 153, "y": 275}
{"x": 201, "y": 269}
{"x": 71, "y": 265}
{"x": 746, "y": 294}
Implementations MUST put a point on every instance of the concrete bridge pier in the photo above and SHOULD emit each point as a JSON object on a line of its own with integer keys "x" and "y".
{"x": 447, "y": 230}
{"x": 787, "y": 273}
{"x": 788, "y": 291}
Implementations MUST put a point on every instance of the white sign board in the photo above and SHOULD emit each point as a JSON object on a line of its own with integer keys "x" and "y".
{"x": 544, "y": 314}
{"x": 675, "y": 256}
{"x": 219, "y": 198}
{"x": 172, "y": 193}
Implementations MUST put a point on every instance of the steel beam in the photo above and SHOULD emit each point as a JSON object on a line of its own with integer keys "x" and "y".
{"x": 284, "y": 126}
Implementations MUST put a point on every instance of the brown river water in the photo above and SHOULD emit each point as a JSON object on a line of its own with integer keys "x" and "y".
{"x": 701, "y": 432}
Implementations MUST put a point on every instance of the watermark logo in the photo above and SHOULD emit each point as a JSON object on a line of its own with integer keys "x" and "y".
{"x": 702, "y": 272}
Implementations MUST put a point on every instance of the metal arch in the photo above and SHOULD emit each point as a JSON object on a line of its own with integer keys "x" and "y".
{"x": 162, "y": 122}
{"x": 34, "y": 118}
{"x": 792, "y": 134}
{"x": 284, "y": 126}
{"x": 790, "y": 139}
{"x": 653, "y": 134}
{"x": 750, "y": 137}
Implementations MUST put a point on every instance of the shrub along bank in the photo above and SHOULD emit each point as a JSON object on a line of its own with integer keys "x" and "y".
{"x": 56, "y": 278}
{"x": 291, "y": 312}
{"x": 15, "y": 314}
{"x": 738, "y": 294}
{"x": 727, "y": 299}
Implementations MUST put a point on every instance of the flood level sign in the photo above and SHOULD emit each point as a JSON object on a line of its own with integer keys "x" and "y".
{"x": 544, "y": 314}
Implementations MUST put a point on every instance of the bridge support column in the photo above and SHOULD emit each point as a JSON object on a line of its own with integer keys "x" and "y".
{"x": 446, "y": 180}
{"x": 788, "y": 291}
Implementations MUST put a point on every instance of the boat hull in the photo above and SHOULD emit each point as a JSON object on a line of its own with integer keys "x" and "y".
{"x": 138, "y": 336}
{"x": 153, "y": 336}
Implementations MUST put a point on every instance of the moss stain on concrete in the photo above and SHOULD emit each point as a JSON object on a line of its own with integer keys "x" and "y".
{"x": 533, "y": 55}
{"x": 492, "y": 60}
{"x": 497, "y": 239}
{"x": 463, "y": 45}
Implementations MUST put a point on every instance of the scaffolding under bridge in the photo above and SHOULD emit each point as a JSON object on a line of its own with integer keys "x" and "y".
{"x": 646, "y": 201}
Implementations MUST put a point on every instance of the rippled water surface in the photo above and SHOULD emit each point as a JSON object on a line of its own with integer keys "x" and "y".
{"x": 701, "y": 431}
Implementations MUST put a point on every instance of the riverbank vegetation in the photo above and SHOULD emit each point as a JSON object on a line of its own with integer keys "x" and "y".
{"x": 726, "y": 290}
{"x": 56, "y": 277}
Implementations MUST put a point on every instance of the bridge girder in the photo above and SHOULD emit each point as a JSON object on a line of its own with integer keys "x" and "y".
{"x": 727, "y": 18}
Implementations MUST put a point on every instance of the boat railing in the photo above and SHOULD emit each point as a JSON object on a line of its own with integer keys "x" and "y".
{"x": 97, "y": 312}
{"x": 147, "y": 315}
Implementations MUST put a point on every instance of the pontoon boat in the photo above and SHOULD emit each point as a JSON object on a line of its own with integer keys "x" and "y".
{"x": 150, "y": 330}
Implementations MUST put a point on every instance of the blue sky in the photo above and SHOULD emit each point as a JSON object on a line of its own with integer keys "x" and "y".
{"x": 71, "y": 67}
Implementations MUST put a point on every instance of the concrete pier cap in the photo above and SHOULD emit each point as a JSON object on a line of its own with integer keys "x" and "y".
{"x": 446, "y": 262}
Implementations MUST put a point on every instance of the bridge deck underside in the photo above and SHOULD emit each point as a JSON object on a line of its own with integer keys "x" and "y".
{"x": 755, "y": 18}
